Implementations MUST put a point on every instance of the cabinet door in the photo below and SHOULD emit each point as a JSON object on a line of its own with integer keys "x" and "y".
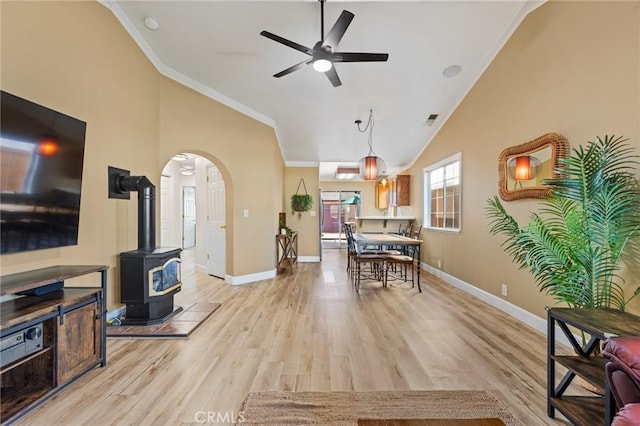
{"x": 402, "y": 190}
{"x": 382, "y": 196}
{"x": 79, "y": 342}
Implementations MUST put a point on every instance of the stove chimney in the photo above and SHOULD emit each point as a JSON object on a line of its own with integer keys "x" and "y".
{"x": 120, "y": 184}
{"x": 146, "y": 209}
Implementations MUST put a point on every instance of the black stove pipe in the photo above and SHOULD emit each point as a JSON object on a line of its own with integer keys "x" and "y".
{"x": 146, "y": 208}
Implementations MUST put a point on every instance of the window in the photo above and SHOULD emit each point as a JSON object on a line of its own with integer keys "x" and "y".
{"x": 443, "y": 194}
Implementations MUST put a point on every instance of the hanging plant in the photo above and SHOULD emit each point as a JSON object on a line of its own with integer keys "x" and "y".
{"x": 301, "y": 202}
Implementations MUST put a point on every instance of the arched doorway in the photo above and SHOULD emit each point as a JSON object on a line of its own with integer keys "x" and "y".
{"x": 192, "y": 211}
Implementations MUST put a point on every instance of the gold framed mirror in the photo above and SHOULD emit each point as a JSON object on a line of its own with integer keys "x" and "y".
{"x": 522, "y": 168}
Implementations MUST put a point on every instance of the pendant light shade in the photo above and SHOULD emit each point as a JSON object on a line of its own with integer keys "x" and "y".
{"x": 371, "y": 167}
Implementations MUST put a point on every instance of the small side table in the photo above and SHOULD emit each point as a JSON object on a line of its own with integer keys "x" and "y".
{"x": 599, "y": 324}
{"x": 286, "y": 251}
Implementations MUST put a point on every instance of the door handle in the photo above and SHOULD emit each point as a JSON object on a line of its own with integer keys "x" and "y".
{"x": 223, "y": 226}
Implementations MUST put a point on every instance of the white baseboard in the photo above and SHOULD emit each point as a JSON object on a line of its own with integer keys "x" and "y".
{"x": 308, "y": 259}
{"x": 249, "y": 278}
{"x": 516, "y": 312}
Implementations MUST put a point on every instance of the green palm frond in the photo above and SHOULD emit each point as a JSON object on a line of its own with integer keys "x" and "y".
{"x": 574, "y": 245}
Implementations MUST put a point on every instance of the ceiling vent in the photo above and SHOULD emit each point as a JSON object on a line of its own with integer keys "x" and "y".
{"x": 431, "y": 119}
{"x": 345, "y": 173}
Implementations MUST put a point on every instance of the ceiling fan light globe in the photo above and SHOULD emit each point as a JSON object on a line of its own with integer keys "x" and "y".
{"x": 322, "y": 65}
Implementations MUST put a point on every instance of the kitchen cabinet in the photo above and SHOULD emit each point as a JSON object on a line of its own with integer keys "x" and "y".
{"x": 393, "y": 192}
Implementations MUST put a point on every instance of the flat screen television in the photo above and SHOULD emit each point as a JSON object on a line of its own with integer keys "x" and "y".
{"x": 41, "y": 159}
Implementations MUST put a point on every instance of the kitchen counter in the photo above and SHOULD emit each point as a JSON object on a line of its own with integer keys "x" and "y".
{"x": 384, "y": 219}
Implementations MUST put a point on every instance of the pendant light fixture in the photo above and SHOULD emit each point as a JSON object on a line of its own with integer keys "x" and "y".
{"x": 371, "y": 167}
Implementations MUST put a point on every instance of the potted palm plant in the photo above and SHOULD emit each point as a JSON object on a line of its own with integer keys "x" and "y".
{"x": 575, "y": 245}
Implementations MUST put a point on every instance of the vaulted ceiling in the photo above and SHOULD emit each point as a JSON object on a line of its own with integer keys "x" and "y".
{"x": 216, "y": 48}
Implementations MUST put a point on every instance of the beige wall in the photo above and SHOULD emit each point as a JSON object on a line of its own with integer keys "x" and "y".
{"x": 241, "y": 148}
{"x": 76, "y": 58}
{"x": 308, "y": 226}
{"x": 560, "y": 72}
{"x": 367, "y": 194}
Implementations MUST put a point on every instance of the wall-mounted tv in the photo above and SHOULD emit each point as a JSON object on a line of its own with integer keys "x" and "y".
{"x": 41, "y": 158}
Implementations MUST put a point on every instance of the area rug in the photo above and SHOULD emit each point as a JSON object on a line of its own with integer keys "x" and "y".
{"x": 345, "y": 408}
{"x": 179, "y": 326}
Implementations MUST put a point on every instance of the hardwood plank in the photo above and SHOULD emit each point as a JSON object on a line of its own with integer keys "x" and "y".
{"x": 309, "y": 331}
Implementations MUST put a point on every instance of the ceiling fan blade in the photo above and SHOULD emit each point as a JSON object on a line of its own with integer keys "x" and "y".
{"x": 359, "y": 57}
{"x": 289, "y": 43}
{"x": 296, "y": 67}
{"x": 337, "y": 31}
{"x": 332, "y": 75}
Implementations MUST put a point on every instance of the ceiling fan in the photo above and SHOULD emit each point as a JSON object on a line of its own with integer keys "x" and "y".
{"x": 323, "y": 54}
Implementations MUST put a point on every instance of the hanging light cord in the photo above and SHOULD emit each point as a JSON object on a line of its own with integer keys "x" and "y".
{"x": 369, "y": 126}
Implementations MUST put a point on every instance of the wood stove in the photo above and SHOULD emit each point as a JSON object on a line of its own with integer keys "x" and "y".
{"x": 148, "y": 281}
{"x": 150, "y": 275}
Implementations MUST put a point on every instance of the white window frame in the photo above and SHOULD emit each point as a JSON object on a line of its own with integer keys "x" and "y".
{"x": 427, "y": 192}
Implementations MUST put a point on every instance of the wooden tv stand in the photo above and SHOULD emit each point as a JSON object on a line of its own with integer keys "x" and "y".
{"x": 72, "y": 325}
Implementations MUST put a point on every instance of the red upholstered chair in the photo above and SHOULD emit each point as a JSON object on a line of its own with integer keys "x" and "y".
{"x": 623, "y": 373}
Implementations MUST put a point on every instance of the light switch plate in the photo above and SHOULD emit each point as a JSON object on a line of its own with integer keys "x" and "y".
{"x": 245, "y": 212}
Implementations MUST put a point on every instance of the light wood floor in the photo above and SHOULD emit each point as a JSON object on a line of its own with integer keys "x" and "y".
{"x": 308, "y": 331}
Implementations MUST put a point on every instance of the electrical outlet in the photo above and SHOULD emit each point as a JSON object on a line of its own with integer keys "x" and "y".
{"x": 504, "y": 289}
{"x": 439, "y": 263}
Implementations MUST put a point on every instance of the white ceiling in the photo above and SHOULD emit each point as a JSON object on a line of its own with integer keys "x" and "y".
{"x": 215, "y": 47}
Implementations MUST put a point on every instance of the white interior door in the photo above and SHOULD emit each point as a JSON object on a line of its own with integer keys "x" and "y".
{"x": 188, "y": 217}
{"x": 216, "y": 232}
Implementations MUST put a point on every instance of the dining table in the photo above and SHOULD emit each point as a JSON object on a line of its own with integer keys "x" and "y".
{"x": 384, "y": 240}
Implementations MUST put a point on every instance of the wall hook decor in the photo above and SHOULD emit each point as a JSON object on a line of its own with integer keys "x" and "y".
{"x": 301, "y": 202}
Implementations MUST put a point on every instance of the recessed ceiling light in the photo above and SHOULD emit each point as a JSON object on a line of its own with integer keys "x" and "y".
{"x": 151, "y": 23}
{"x": 181, "y": 157}
{"x": 451, "y": 71}
{"x": 347, "y": 172}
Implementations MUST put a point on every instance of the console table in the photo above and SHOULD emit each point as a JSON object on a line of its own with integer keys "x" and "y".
{"x": 286, "y": 251}
{"x": 384, "y": 219}
{"x": 599, "y": 324}
{"x": 49, "y": 338}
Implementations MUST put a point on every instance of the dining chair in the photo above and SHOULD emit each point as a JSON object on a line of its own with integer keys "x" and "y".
{"x": 356, "y": 259}
{"x": 415, "y": 230}
{"x": 409, "y": 254}
{"x": 399, "y": 266}
{"x": 403, "y": 229}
